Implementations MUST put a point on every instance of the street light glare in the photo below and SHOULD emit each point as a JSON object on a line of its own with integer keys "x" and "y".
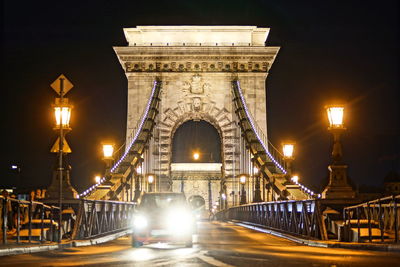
{"x": 288, "y": 149}
{"x": 242, "y": 179}
{"x": 139, "y": 170}
{"x": 150, "y": 179}
{"x": 108, "y": 150}
{"x": 97, "y": 179}
{"x": 295, "y": 179}
{"x": 335, "y": 116}
{"x": 196, "y": 156}
{"x": 62, "y": 112}
{"x": 14, "y": 167}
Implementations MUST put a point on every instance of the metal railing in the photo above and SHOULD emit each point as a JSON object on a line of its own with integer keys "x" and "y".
{"x": 98, "y": 217}
{"x": 16, "y": 214}
{"x": 302, "y": 218}
{"x": 381, "y": 214}
{"x": 273, "y": 154}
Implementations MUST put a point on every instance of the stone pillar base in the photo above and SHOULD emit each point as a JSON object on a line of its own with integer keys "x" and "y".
{"x": 338, "y": 186}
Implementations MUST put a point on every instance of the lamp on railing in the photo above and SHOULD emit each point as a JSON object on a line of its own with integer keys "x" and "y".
{"x": 338, "y": 186}
{"x": 242, "y": 180}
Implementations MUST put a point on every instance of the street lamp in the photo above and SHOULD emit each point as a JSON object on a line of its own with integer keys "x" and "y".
{"x": 150, "y": 181}
{"x": 257, "y": 191}
{"x": 137, "y": 173}
{"x": 97, "y": 179}
{"x": 108, "y": 152}
{"x": 62, "y": 112}
{"x": 242, "y": 180}
{"x": 338, "y": 186}
{"x": 295, "y": 179}
{"x": 196, "y": 155}
{"x": 335, "y": 116}
{"x": 288, "y": 151}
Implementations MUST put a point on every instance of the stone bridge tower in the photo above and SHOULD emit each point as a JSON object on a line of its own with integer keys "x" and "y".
{"x": 196, "y": 65}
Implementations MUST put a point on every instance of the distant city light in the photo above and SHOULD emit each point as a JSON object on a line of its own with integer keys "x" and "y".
{"x": 196, "y": 156}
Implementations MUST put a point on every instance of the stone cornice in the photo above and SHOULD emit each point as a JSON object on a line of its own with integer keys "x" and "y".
{"x": 196, "y": 59}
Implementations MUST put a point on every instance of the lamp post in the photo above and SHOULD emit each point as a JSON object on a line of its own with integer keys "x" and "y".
{"x": 108, "y": 156}
{"x": 338, "y": 186}
{"x": 150, "y": 181}
{"x": 138, "y": 173}
{"x": 335, "y": 115}
{"x": 62, "y": 112}
{"x": 242, "y": 180}
{"x": 257, "y": 191}
{"x": 97, "y": 179}
{"x": 288, "y": 151}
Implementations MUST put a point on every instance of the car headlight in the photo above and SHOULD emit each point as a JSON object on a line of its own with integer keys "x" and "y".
{"x": 180, "y": 221}
{"x": 140, "y": 222}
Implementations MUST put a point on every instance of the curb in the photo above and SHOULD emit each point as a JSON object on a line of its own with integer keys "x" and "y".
{"x": 324, "y": 244}
{"x": 70, "y": 244}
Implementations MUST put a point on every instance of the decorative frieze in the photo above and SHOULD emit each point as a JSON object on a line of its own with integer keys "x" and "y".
{"x": 151, "y": 65}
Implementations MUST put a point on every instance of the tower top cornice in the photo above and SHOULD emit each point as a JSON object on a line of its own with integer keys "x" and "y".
{"x": 196, "y": 36}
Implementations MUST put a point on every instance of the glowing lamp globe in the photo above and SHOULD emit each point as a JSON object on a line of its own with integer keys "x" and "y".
{"x": 288, "y": 149}
{"x": 62, "y": 113}
{"x": 196, "y": 156}
{"x": 150, "y": 178}
{"x": 242, "y": 179}
{"x": 108, "y": 150}
{"x": 335, "y": 116}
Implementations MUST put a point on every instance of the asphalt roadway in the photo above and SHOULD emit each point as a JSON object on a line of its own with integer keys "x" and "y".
{"x": 217, "y": 244}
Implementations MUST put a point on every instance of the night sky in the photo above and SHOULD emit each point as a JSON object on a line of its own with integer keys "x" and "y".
{"x": 330, "y": 50}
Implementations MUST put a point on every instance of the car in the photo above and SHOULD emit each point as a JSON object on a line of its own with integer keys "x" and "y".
{"x": 163, "y": 217}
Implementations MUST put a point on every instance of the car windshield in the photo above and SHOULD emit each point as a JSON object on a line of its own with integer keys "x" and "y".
{"x": 161, "y": 201}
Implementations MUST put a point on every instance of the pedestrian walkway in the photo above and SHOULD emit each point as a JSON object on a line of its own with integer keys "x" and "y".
{"x": 390, "y": 247}
{"x": 12, "y": 248}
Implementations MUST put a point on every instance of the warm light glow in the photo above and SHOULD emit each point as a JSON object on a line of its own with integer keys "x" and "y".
{"x": 63, "y": 115}
{"x": 108, "y": 150}
{"x": 255, "y": 170}
{"x": 196, "y": 156}
{"x": 139, "y": 170}
{"x": 295, "y": 179}
{"x": 97, "y": 178}
{"x": 242, "y": 179}
{"x": 288, "y": 149}
{"x": 335, "y": 116}
{"x": 150, "y": 178}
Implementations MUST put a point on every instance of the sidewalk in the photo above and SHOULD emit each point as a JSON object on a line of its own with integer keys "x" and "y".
{"x": 24, "y": 247}
{"x": 388, "y": 247}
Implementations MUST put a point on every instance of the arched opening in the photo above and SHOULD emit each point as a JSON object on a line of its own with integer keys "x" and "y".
{"x": 196, "y": 142}
{"x": 197, "y": 202}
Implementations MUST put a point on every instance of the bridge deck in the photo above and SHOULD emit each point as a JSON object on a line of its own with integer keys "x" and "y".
{"x": 218, "y": 244}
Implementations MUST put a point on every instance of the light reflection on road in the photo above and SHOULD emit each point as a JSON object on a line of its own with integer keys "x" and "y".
{"x": 217, "y": 244}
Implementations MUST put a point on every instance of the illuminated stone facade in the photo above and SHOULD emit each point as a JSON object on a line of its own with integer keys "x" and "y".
{"x": 196, "y": 65}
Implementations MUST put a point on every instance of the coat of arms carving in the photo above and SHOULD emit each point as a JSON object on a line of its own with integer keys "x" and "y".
{"x": 196, "y": 85}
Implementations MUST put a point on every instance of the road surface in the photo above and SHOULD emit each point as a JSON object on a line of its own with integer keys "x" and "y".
{"x": 217, "y": 244}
